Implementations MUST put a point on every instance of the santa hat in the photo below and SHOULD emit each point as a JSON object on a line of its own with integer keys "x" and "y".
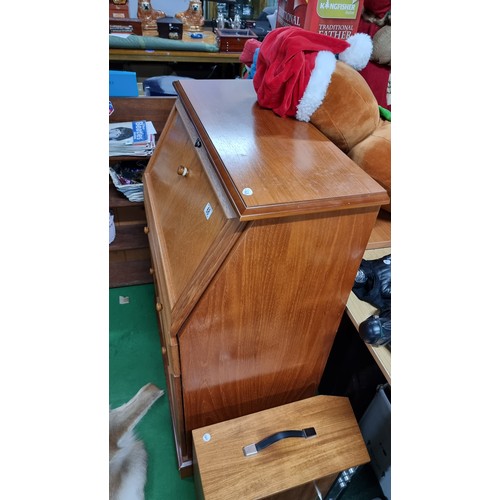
{"x": 251, "y": 45}
{"x": 294, "y": 68}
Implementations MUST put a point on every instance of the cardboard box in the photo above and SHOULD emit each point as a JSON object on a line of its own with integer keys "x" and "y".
{"x": 123, "y": 84}
{"x": 335, "y": 18}
{"x": 169, "y": 27}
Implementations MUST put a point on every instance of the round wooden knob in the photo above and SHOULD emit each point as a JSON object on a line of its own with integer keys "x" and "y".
{"x": 159, "y": 306}
{"x": 151, "y": 271}
{"x": 163, "y": 350}
{"x": 181, "y": 170}
{"x": 146, "y": 229}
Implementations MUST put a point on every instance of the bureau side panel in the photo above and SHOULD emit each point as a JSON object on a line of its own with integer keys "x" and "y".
{"x": 261, "y": 334}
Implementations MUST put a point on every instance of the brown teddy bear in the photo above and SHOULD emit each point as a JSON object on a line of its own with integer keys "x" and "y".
{"x": 315, "y": 78}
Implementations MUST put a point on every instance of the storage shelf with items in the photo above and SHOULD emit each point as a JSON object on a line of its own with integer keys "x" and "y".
{"x": 246, "y": 9}
{"x": 129, "y": 254}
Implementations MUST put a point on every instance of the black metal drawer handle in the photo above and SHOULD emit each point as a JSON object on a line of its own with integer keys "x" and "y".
{"x": 253, "y": 449}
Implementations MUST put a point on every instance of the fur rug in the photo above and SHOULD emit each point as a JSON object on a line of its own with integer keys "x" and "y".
{"x": 127, "y": 455}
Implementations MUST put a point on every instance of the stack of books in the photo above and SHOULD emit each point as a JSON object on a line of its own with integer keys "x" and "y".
{"x": 131, "y": 138}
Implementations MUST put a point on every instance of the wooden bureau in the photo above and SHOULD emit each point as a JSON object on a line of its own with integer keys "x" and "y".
{"x": 257, "y": 225}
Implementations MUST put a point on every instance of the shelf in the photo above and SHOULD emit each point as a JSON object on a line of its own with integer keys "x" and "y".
{"x": 359, "y": 310}
{"x": 129, "y": 272}
{"x": 129, "y": 237}
{"x": 117, "y": 199}
{"x": 129, "y": 255}
{"x": 116, "y": 159}
{"x": 381, "y": 234}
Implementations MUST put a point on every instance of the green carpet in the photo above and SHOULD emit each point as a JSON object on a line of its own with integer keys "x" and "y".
{"x": 134, "y": 360}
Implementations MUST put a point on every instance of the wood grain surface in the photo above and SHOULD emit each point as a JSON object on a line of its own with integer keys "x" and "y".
{"x": 294, "y": 167}
{"x": 250, "y": 291}
{"x": 359, "y": 310}
{"x": 225, "y": 473}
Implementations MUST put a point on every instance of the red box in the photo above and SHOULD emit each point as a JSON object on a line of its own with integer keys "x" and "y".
{"x": 232, "y": 40}
{"x": 125, "y": 26}
{"x": 336, "y": 18}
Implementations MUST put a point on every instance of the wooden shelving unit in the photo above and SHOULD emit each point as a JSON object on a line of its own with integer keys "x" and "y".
{"x": 129, "y": 255}
{"x": 381, "y": 234}
{"x": 358, "y": 311}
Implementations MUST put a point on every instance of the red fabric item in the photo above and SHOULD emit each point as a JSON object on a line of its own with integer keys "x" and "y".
{"x": 378, "y": 7}
{"x": 286, "y": 59}
{"x": 377, "y": 77}
{"x": 367, "y": 27}
{"x": 246, "y": 56}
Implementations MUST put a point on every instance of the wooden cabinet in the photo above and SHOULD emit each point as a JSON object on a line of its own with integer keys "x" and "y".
{"x": 129, "y": 255}
{"x": 257, "y": 225}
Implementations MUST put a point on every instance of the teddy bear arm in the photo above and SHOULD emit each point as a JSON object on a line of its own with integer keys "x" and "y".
{"x": 373, "y": 155}
{"x": 349, "y": 112}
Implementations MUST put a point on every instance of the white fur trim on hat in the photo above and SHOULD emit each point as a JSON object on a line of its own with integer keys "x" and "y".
{"x": 360, "y": 50}
{"x": 315, "y": 92}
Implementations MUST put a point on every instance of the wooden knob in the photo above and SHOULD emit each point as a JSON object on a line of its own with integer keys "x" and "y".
{"x": 163, "y": 350}
{"x": 181, "y": 170}
{"x": 159, "y": 306}
{"x": 146, "y": 229}
{"x": 151, "y": 270}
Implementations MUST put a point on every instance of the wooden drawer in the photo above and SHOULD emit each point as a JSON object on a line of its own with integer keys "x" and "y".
{"x": 175, "y": 402}
{"x": 169, "y": 345}
{"x": 162, "y": 305}
{"x": 194, "y": 226}
{"x": 171, "y": 348}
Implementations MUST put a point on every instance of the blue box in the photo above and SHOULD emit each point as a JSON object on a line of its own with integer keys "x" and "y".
{"x": 123, "y": 84}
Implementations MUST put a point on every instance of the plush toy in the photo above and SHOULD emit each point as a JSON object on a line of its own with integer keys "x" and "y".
{"x": 382, "y": 46}
{"x": 376, "y": 22}
{"x": 315, "y": 78}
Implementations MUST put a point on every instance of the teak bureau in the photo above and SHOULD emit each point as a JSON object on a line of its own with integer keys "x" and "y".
{"x": 257, "y": 225}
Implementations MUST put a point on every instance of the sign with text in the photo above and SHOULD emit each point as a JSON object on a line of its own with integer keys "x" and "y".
{"x": 335, "y": 18}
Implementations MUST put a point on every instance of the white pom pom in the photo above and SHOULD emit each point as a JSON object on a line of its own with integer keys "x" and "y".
{"x": 315, "y": 92}
{"x": 358, "y": 54}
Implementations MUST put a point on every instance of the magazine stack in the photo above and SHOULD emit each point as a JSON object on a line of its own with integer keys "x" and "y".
{"x": 127, "y": 178}
{"x": 135, "y": 138}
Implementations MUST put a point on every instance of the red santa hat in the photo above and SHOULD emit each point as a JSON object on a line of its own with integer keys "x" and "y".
{"x": 294, "y": 68}
{"x": 251, "y": 45}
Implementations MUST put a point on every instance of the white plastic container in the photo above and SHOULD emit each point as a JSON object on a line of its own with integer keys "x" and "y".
{"x": 112, "y": 230}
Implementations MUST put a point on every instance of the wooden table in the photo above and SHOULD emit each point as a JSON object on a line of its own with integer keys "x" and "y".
{"x": 142, "y": 55}
{"x": 358, "y": 310}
